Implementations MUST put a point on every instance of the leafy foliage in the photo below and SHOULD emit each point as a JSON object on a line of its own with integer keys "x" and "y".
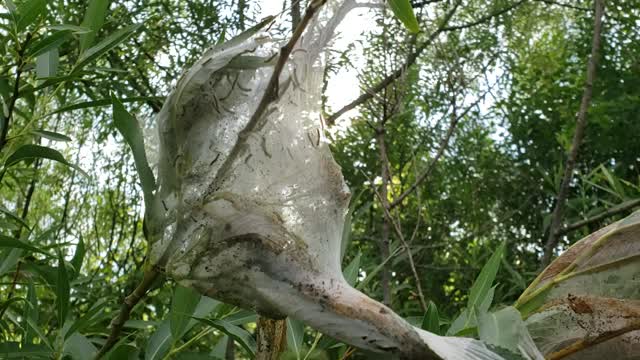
{"x": 72, "y": 242}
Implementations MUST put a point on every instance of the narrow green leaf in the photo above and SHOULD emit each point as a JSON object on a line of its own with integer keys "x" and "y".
{"x": 50, "y": 42}
{"x": 183, "y": 305}
{"x": 124, "y": 352}
{"x": 242, "y": 317}
{"x": 79, "y": 347}
{"x": 93, "y": 21}
{"x": 404, "y": 12}
{"x": 128, "y": 126}
{"x": 431, "y": 319}
{"x": 295, "y": 336}
{"x": 484, "y": 281}
{"x": 78, "y": 257}
{"x": 101, "y": 102}
{"x": 11, "y": 6}
{"x": 505, "y": 329}
{"x": 30, "y": 313}
{"x": 14, "y": 217}
{"x": 89, "y": 318}
{"x": 30, "y": 151}
{"x": 159, "y": 343}
{"x": 51, "y": 135}
{"x": 62, "y": 290}
{"x": 161, "y": 340}
{"x": 237, "y": 333}
{"x": 29, "y": 11}
{"x": 244, "y": 35}
{"x": 458, "y": 324}
{"x": 104, "y": 46}
{"x": 73, "y": 28}
{"x": 346, "y": 229}
{"x": 13, "y": 350}
{"x": 5, "y": 89}
{"x": 9, "y": 242}
{"x": 47, "y": 64}
{"x": 5, "y": 304}
{"x": 351, "y": 272}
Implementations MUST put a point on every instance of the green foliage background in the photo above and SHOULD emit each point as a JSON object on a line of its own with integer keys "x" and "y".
{"x": 510, "y": 72}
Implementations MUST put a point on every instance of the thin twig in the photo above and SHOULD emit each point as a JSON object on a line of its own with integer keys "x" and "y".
{"x": 484, "y": 18}
{"x": 611, "y": 212}
{"x": 581, "y": 124}
{"x": 414, "y": 57}
{"x": 398, "y": 231}
{"x": 128, "y": 304}
{"x": 16, "y": 92}
{"x": 411, "y": 59}
{"x": 444, "y": 142}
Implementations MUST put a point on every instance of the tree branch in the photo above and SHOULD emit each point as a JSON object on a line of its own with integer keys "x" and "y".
{"x": 484, "y": 18}
{"x": 413, "y": 57}
{"x": 271, "y": 338}
{"x": 611, "y": 212}
{"x": 128, "y": 304}
{"x": 581, "y": 124}
{"x": 4, "y": 131}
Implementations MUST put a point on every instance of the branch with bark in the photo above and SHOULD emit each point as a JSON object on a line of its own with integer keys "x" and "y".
{"x": 125, "y": 310}
{"x": 581, "y": 124}
{"x": 624, "y": 207}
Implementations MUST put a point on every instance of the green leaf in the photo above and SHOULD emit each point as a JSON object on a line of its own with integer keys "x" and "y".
{"x": 30, "y": 151}
{"x": 295, "y": 336}
{"x": 346, "y": 229}
{"x": 404, "y": 12}
{"x": 30, "y": 313}
{"x": 50, "y": 42}
{"x": 128, "y": 126}
{"x": 13, "y": 350}
{"x": 78, "y": 257}
{"x": 51, "y": 135}
{"x": 183, "y": 305}
{"x": 29, "y": 11}
{"x": 350, "y": 273}
{"x": 104, "y": 46}
{"x": 93, "y": 21}
{"x": 124, "y": 352}
{"x": 11, "y": 6}
{"x": 459, "y": 323}
{"x": 14, "y": 217}
{"x": 47, "y": 64}
{"x": 483, "y": 283}
{"x": 6, "y": 241}
{"x": 73, "y": 28}
{"x": 431, "y": 319}
{"x": 101, "y": 102}
{"x": 5, "y": 304}
{"x": 62, "y": 290}
{"x": 161, "y": 340}
{"x": 5, "y": 89}
{"x": 79, "y": 347}
{"x": 237, "y": 333}
{"x": 505, "y": 329}
{"x": 244, "y": 35}
{"x": 242, "y": 317}
{"x": 90, "y": 317}
{"x": 159, "y": 343}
